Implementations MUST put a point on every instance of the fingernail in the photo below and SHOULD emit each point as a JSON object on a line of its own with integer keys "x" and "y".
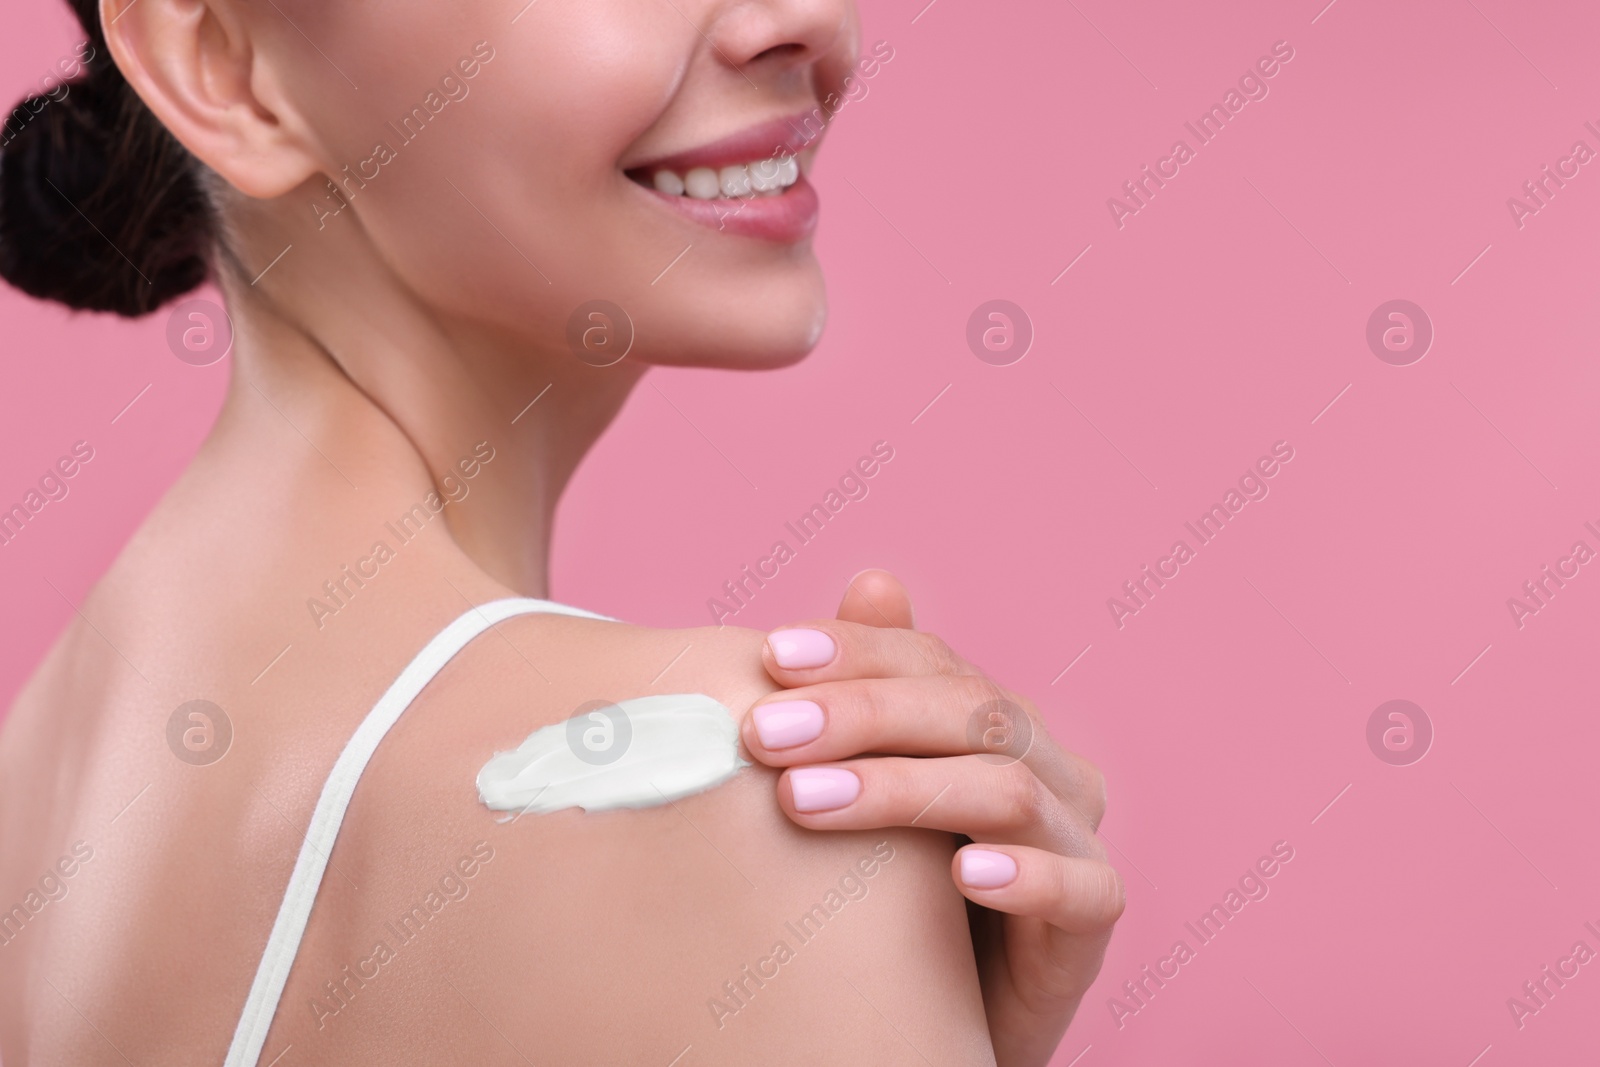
{"x": 982, "y": 869}
{"x": 798, "y": 649}
{"x": 786, "y": 723}
{"x": 823, "y": 788}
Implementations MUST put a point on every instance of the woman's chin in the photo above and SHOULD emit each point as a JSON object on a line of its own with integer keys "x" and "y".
{"x": 760, "y": 335}
{"x": 757, "y": 354}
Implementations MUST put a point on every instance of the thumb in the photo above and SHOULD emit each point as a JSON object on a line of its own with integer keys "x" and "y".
{"x": 876, "y": 598}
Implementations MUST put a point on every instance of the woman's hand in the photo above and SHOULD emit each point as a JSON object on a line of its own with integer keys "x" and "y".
{"x": 883, "y": 726}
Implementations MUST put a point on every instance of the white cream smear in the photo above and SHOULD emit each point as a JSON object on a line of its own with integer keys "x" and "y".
{"x": 635, "y": 753}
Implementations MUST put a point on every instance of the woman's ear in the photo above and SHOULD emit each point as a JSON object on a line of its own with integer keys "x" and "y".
{"x": 194, "y": 65}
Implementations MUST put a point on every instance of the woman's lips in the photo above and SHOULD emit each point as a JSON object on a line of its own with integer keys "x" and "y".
{"x": 758, "y": 197}
{"x": 787, "y": 218}
{"x": 777, "y": 137}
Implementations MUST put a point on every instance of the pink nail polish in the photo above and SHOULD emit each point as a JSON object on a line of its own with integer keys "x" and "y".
{"x": 982, "y": 869}
{"x": 823, "y": 788}
{"x": 799, "y": 649}
{"x": 786, "y": 723}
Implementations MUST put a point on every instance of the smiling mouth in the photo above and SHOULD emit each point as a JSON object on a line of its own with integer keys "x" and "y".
{"x": 762, "y": 159}
{"x": 752, "y": 183}
{"x": 735, "y": 181}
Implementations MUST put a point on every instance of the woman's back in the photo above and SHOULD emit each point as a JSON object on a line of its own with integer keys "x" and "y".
{"x": 142, "y": 874}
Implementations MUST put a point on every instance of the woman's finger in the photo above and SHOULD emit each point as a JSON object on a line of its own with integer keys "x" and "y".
{"x": 826, "y": 650}
{"x": 877, "y": 598}
{"x": 960, "y": 794}
{"x": 1073, "y": 894}
{"x": 920, "y": 716}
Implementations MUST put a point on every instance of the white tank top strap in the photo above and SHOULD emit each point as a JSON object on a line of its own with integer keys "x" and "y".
{"x": 290, "y": 926}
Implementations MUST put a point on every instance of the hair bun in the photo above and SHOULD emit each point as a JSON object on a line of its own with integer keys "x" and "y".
{"x": 100, "y": 207}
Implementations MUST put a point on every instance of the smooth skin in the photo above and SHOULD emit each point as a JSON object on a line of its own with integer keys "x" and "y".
{"x": 382, "y": 347}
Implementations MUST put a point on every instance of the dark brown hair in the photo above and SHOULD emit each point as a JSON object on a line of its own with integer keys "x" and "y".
{"x": 100, "y": 207}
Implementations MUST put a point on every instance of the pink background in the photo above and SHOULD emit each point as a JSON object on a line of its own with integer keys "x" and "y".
{"x": 1223, "y": 317}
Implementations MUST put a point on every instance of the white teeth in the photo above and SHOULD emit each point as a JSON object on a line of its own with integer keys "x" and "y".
{"x": 702, "y": 183}
{"x": 767, "y": 177}
{"x": 735, "y": 180}
{"x": 669, "y": 183}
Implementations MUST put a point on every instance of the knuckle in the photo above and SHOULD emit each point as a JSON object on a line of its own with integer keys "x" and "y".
{"x": 1027, "y": 705}
{"x": 1092, "y": 894}
{"x": 1094, "y": 785}
{"x": 1096, "y": 851}
{"x": 1020, "y": 800}
{"x": 941, "y": 655}
{"x": 983, "y": 703}
{"x": 979, "y": 690}
{"x": 1112, "y": 895}
{"x": 871, "y": 706}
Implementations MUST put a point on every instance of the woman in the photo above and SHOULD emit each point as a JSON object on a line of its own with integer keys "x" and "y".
{"x": 404, "y": 206}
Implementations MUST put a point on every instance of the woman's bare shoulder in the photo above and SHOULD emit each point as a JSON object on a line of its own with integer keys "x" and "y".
{"x": 627, "y": 935}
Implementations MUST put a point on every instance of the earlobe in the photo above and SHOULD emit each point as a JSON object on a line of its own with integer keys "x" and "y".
{"x": 193, "y": 64}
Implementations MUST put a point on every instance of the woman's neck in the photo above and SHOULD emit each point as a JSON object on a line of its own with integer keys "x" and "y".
{"x": 391, "y": 402}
